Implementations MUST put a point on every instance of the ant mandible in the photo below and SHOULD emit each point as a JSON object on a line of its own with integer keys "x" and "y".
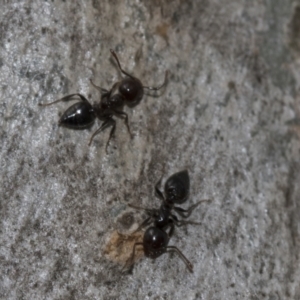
{"x": 176, "y": 192}
{"x": 82, "y": 115}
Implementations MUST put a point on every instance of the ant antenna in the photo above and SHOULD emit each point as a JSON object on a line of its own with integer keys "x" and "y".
{"x": 153, "y": 88}
{"x": 118, "y": 62}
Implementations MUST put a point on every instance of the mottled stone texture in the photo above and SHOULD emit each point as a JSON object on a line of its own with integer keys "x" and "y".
{"x": 230, "y": 114}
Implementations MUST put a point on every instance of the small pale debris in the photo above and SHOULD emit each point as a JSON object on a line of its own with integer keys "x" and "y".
{"x": 120, "y": 246}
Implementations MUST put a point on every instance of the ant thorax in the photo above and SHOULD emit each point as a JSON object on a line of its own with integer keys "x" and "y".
{"x": 112, "y": 100}
{"x": 162, "y": 217}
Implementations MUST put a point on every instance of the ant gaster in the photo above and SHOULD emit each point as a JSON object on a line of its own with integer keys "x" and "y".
{"x": 156, "y": 239}
{"x": 82, "y": 115}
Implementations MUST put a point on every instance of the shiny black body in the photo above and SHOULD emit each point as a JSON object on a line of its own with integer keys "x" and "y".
{"x": 177, "y": 188}
{"x": 81, "y": 115}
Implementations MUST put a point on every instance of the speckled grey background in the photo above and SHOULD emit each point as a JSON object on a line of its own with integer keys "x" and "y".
{"x": 230, "y": 114}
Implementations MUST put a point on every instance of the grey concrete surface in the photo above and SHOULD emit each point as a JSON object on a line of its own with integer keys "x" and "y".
{"x": 230, "y": 114}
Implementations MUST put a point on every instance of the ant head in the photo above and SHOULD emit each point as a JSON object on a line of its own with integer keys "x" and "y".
{"x": 177, "y": 187}
{"x": 155, "y": 242}
{"x": 132, "y": 90}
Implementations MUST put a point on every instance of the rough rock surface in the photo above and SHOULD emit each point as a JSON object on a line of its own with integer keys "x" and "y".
{"x": 230, "y": 114}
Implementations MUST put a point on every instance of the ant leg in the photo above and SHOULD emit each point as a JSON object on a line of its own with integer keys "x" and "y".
{"x": 122, "y": 113}
{"x": 108, "y": 122}
{"x": 118, "y": 62}
{"x": 147, "y": 221}
{"x": 183, "y": 258}
{"x": 144, "y": 224}
{"x": 132, "y": 256}
{"x": 172, "y": 228}
{"x": 187, "y": 212}
{"x": 111, "y": 133}
{"x": 66, "y": 98}
{"x": 148, "y": 210}
{"x": 103, "y": 91}
{"x": 158, "y": 192}
{"x": 180, "y": 223}
{"x": 159, "y": 87}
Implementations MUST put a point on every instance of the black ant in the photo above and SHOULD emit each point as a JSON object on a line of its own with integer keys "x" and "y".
{"x": 82, "y": 115}
{"x": 156, "y": 239}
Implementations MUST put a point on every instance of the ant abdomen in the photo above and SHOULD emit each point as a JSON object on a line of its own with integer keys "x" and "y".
{"x": 78, "y": 116}
{"x": 177, "y": 187}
